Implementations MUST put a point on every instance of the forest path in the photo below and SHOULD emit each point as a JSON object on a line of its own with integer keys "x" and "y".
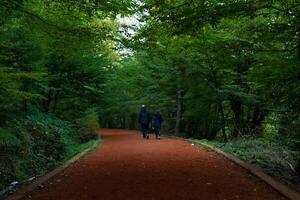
{"x": 129, "y": 167}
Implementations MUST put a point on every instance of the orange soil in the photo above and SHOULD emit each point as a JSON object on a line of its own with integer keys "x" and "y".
{"x": 129, "y": 167}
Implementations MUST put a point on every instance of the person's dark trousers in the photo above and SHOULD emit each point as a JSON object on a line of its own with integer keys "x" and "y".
{"x": 144, "y": 128}
{"x": 157, "y": 131}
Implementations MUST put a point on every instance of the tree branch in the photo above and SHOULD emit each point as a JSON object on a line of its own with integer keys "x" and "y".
{"x": 19, "y": 8}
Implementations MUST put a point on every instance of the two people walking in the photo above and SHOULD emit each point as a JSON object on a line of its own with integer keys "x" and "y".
{"x": 144, "y": 120}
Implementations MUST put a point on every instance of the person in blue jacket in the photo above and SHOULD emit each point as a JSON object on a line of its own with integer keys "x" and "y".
{"x": 156, "y": 124}
{"x": 144, "y": 120}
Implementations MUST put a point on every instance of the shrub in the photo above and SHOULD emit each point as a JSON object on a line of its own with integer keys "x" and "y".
{"x": 8, "y": 141}
{"x": 32, "y": 145}
{"x": 90, "y": 125}
{"x": 9, "y": 146}
{"x": 35, "y": 143}
{"x": 90, "y": 121}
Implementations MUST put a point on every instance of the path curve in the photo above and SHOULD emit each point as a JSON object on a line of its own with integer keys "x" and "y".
{"x": 128, "y": 167}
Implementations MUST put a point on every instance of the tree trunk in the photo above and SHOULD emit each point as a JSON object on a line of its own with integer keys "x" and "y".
{"x": 111, "y": 121}
{"x": 298, "y": 46}
{"x": 298, "y": 49}
{"x": 179, "y": 111}
{"x": 298, "y": 167}
{"x": 48, "y": 101}
{"x": 236, "y": 107}
{"x": 219, "y": 102}
{"x": 24, "y": 108}
{"x": 180, "y": 88}
{"x": 221, "y": 111}
{"x": 2, "y": 118}
{"x": 257, "y": 119}
{"x": 236, "y": 104}
{"x": 123, "y": 118}
{"x": 55, "y": 101}
{"x": 133, "y": 120}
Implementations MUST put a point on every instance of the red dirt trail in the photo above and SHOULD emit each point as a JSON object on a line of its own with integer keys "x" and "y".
{"x": 129, "y": 167}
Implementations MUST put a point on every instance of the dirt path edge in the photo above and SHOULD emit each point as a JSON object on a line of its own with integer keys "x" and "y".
{"x": 258, "y": 172}
{"x": 21, "y": 192}
{"x": 255, "y": 170}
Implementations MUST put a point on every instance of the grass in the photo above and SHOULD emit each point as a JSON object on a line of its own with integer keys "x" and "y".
{"x": 72, "y": 150}
{"x": 275, "y": 159}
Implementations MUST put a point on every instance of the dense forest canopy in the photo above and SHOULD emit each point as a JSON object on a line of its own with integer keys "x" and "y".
{"x": 222, "y": 65}
{"x": 215, "y": 69}
{"x": 54, "y": 60}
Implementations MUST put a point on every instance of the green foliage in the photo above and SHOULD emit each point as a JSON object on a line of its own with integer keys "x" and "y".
{"x": 37, "y": 143}
{"x": 54, "y": 57}
{"x": 8, "y": 142}
{"x": 90, "y": 121}
{"x": 272, "y": 156}
{"x": 226, "y": 57}
{"x": 10, "y": 145}
{"x": 236, "y": 64}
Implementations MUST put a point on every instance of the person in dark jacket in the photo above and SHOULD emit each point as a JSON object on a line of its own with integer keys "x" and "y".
{"x": 144, "y": 120}
{"x": 156, "y": 123}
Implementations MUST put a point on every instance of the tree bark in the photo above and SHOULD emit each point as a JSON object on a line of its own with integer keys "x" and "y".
{"x": 298, "y": 164}
{"x": 55, "y": 101}
{"x": 236, "y": 104}
{"x": 123, "y": 118}
{"x": 219, "y": 102}
{"x": 2, "y": 118}
{"x": 133, "y": 121}
{"x": 236, "y": 107}
{"x": 257, "y": 119}
{"x": 24, "y": 108}
{"x": 48, "y": 101}
{"x": 179, "y": 111}
{"x": 298, "y": 167}
{"x": 221, "y": 111}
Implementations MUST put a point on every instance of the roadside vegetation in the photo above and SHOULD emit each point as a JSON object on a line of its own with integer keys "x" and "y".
{"x": 274, "y": 159}
{"x": 53, "y": 59}
{"x": 35, "y": 143}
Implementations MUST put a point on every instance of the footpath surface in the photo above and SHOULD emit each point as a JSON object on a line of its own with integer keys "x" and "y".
{"x": 129, "y": 167}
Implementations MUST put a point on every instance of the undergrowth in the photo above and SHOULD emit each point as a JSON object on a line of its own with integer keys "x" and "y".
{"x": 276, "y": 160}
{"x": 33, "y": 144}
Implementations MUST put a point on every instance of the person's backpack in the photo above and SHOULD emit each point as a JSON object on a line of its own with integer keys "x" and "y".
{"x": 144, "y": 117}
